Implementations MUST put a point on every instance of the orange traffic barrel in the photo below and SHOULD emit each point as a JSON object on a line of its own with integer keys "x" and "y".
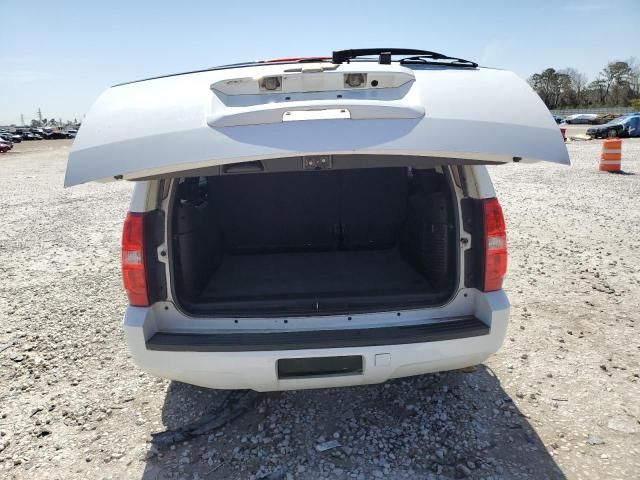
{"x": 611, "y": 157}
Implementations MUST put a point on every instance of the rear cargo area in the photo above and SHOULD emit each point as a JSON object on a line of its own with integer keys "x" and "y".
{"x": 311, "y": 242}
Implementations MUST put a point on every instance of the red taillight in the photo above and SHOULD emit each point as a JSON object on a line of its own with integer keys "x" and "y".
{"x": 495, "y": 245}
{"x": 134, "y": 275}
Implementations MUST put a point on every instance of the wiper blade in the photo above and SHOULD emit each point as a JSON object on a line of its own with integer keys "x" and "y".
{"x": 448, "y": 61}
{"x": 417, "y": 56}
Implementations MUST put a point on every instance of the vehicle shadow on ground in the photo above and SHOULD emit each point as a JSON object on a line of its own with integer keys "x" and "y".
{"x": 457, "y": 424}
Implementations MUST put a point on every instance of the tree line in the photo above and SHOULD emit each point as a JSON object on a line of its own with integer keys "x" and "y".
{"x": 52, "y": 122}
{"x": 617, "y": 85}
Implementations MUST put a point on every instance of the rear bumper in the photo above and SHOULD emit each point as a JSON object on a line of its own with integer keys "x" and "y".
{"x": 449, "y": 329}
{"x": 207, "y": 361}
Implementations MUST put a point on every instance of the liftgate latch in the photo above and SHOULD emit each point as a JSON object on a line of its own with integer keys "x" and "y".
{"x": 317, "y": 162}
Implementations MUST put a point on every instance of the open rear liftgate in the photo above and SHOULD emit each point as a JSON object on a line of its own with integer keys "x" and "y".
{"x": 449, "y": 112}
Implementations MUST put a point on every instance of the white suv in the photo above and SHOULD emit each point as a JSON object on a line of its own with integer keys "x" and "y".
{"x": 322, "y": 222}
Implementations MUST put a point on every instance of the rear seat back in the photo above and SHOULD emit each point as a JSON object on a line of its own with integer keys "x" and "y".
{"x": 373, "y": 204}
{"x": 316, "y": 210}
{"x": 278, "y": 211}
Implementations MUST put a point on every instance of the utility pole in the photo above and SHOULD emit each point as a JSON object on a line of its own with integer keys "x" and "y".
{"x": 40, "y": 115}
{"x": 22, "y": 120}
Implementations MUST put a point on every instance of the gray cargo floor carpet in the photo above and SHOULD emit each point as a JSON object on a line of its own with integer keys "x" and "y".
{"x": 314, "y": 273}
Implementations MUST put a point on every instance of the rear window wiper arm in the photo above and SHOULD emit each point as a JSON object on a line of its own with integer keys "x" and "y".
{"x": 417, "y": 56}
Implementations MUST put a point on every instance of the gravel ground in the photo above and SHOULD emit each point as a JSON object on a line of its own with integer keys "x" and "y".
{"x": 560, "y": 400}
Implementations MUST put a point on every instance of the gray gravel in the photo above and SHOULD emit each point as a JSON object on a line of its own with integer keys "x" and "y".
{"x": 559, "y": 400}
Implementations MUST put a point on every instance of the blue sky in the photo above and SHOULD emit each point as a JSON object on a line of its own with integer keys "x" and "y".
{"x": 60, "y": 55}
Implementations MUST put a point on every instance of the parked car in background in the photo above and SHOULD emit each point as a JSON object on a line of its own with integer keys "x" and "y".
{"x": 581, "y": 118}
{"x": 32, "y": 136}
{"x": 11, "y": 137}
{"x": 42, "y": 133}
{"x": 60, "y": 135}
{"x": 5, "y": 146}
{"x": 278, "y": 253}
{"x": 623, "y": 127}
{"x": 558, "y": 118}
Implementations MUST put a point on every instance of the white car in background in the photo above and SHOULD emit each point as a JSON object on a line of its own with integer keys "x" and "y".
{"x": 581, "y": 118}
{"x": 321, "y": 222}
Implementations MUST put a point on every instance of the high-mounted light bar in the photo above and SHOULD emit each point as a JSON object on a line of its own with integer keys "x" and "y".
{"x": 302, "y": 80}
